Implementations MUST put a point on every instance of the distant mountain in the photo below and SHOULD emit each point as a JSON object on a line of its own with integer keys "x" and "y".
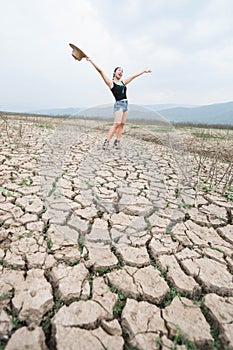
{"x": 101, "y": 109}
{"x": 160, "y": 107}
{"x": 58, "y": 111}
{"x": 218, "y": 113}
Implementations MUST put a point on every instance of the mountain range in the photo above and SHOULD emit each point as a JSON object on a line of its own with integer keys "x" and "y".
{"x": 218, "y": 113}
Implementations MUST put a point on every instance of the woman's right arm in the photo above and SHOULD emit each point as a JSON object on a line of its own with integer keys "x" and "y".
{"x": 105, "y": 78}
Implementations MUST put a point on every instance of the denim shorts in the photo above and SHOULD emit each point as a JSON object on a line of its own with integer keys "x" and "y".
{"x": 122, "y": 104}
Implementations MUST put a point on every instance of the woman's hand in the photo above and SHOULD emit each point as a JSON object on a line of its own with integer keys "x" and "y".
{"x": 147, "y": 70}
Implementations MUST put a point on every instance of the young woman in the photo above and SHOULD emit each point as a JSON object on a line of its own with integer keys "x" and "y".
{"x": 118, "y": 88}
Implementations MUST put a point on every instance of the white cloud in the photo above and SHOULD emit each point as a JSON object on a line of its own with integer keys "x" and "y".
{"x": 185, "y": 42}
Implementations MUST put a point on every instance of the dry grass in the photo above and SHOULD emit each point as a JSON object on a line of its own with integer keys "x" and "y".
{"x": 208, "y": 148}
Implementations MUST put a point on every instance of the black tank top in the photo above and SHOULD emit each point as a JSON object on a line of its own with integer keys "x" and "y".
{"x": 119, "y": 91}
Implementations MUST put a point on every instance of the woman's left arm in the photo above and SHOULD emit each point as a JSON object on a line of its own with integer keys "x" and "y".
{"x": 129, "y": 79}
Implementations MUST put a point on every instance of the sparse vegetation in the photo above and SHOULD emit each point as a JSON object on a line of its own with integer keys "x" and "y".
{"x": 207, "y": 135}
{"x": 181, "y": 339}
{"x": 209, "y": 154}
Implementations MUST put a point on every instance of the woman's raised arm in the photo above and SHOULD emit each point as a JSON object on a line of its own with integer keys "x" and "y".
{"x": 103, "y": 75}
{"x": 129, "y": 79}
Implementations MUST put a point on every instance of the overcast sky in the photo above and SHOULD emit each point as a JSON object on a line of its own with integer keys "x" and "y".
{"x": 188, "y": 44}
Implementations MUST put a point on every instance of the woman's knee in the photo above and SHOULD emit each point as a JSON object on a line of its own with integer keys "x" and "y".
{"x": 117, "y": 124}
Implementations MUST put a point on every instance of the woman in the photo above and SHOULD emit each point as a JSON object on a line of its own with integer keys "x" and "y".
{"x": 118, "y": 88}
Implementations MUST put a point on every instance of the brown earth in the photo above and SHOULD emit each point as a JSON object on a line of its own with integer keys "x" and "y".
{"x": 126, "y": 248}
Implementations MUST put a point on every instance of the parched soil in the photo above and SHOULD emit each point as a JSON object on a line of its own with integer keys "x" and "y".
{"x": 127, "y": 248}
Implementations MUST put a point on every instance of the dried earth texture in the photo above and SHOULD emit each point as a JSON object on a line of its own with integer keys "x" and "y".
{"x": 127, "y": 248}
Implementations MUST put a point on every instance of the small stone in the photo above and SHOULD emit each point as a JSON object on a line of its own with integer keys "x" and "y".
{"x": 32, "y": 307}
{"x": 14, "y": 260}
{"x": 145, "y": 282}
{"x": 221, "y": 311}
{"x": 28, "y": 218}
{"x": 204, "y": 269}
{"x": 227, "y": 232}
{"x": 97, "y": 339}
{"x": 35, "y": 260}
{"x": 111, "y": 327}
{"x": 143, "y": 323}
{"x": 103, "y": 296}
{"x": 87, "y": 213}
{"x": 135, "y": 205}
{"x": 177, "y": 277}
{"x": 99, "y": 232}
{"x": 134, "y": 256}
{"x": 163, "y": 245}
{"x": 100, "y": 257}
{"x": 71, "y": 281}
{"x": 78, "y": 224}
{"x": 5, "y": 325}
{"x": 31, "y": 204}
{"x": 186, "y": 319}
{"x": 33, "y": 340}
{"x": 81, "y": 313}
{"x": 57, "y": 236}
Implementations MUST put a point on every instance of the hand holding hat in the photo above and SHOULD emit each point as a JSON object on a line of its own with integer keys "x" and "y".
{"x": 77, "y": 53}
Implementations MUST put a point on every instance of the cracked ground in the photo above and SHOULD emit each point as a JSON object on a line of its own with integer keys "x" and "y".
{"x": 126, "y": 248}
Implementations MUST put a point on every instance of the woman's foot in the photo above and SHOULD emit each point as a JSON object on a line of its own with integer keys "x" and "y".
{"x": 116, "y": 144}
{"x": 106, "y": 144}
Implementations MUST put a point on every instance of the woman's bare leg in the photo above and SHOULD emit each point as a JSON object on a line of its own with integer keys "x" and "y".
{"x": 112, "y": 130}
{"x": 121, "y": 125}
{"x": 118, "y": 115}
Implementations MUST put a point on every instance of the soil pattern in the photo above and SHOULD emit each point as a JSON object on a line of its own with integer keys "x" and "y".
{"x": 109, "y": 250}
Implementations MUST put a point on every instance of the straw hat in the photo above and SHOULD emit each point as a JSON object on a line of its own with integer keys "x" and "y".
{"x": 77, "y": 53}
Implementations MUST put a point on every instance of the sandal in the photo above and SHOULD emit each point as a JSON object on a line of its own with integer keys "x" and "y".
{"x": 106, "y": 144}
{"x": 116, "y": 144}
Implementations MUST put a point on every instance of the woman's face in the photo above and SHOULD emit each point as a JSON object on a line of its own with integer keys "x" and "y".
{"x": 119, "y": 73}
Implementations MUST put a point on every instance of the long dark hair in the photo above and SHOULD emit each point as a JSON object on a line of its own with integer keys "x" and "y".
{"x": 115, "y": 72}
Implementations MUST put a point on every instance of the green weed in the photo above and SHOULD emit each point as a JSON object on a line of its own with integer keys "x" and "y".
{"x": 5, "y": 296}
{"x": 6, "y": 192}
{"x": 46, "y": 126}
{"x": 206, "y": 188}
{"x": 15, "y": 322}
{"x": 170, "y": 296}
{"x": 3, "y": 344}
{"x": 229, "y": 196}
{"x": 180, "y": 339}
{"x": 49, "y": 243}
{"x": 117, "y": 309}
{"x": 205, "y": 135}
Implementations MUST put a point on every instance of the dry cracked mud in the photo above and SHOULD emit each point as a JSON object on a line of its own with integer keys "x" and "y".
{"x": 114, "y": 249}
